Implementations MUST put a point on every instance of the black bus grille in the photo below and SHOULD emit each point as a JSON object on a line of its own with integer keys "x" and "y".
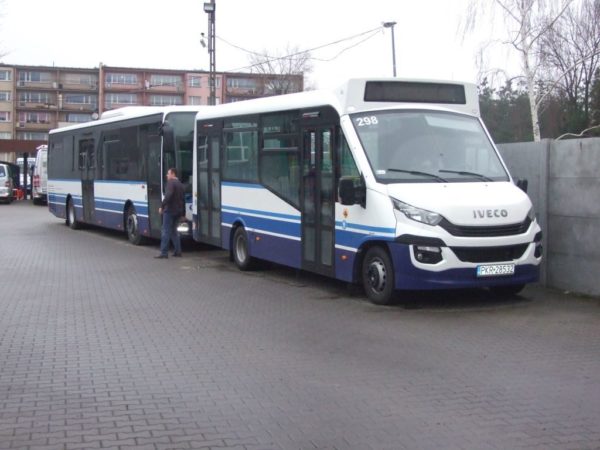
{"x": 489, "y": 254}
{"x": 490, "y": 231}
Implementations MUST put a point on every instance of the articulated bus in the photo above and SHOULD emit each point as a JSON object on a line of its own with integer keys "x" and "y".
{"x": 394, "y": 184}
{"x": 111, "y": 172}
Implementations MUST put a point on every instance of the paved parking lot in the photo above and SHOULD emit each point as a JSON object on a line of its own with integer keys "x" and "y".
{"x": 102, "y": 346}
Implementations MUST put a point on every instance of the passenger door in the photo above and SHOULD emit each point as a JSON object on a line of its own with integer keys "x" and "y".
{"x": 317, "y": 199}
{"x": 87, "y": 166}
{"x": 209, "y": 184}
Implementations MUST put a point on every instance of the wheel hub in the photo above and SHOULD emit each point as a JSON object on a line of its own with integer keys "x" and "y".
{"x": 377, "y": 276}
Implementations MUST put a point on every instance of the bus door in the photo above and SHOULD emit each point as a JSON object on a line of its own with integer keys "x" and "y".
{"x": 155, "y": 179}
{"x": 87, "y": 166}
{"x": 317, "y": 200}
{"x": 209, "y": 183}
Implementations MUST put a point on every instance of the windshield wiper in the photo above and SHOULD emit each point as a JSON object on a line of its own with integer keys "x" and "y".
{"x": 416, "y": 172}
{"x": 467, "y": 174}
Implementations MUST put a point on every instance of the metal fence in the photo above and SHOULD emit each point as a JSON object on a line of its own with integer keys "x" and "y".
{"x": 564, "y": 186}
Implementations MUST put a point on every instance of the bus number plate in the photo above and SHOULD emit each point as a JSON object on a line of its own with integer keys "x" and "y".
{"x": 495, "y": 270}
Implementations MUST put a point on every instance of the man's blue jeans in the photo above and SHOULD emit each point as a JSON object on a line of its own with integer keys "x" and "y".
{"x": 169, "y": 233}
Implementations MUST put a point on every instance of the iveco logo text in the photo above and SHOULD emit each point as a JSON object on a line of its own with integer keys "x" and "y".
{"x": 490, "y": 213}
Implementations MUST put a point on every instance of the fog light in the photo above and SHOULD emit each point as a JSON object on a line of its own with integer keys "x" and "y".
{"x": 427, "y": 255}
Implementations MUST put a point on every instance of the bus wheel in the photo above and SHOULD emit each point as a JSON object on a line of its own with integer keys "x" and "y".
{"x": 132, "y": 227}
{"x": 71, "y": 218}
{"x": 241, "y": 253}
{"x": 507, "y": 291}
{"x": 378, "y": 276}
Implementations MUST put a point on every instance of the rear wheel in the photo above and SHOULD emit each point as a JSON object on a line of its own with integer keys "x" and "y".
{"x": 240, "y": 250}
{"x": 71, "y": 217}
{"x": 378, "y": 276}
{"x": 132, "y": 227}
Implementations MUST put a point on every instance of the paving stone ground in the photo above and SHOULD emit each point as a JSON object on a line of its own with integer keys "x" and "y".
{"x": 104, "y": 347}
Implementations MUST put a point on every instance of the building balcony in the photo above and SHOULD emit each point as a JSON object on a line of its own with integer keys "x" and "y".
{"x": 34, "y": 126}
{"x": 243, "y": 92}
{"x": 37, "y": 84}
{"x": 87, "y": 107}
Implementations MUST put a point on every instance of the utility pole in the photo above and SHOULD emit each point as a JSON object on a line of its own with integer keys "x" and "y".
{"x": 209, "y": 8}
{"x": 391, "y": 25}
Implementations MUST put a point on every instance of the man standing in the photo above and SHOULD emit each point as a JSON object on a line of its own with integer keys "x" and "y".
{"x": 172, "y": 208}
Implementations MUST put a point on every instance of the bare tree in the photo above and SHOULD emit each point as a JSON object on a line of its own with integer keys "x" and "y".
{"x": 287, "y": 65}
{"x": 527, "y": 22}
{"x": 570, "y": 53}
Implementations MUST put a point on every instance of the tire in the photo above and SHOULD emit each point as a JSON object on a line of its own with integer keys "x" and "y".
{"x": 132, "y": 228}
{"x": 240, "y": 250}
{"x": 378, "y": 276}
{"x": 507, "y": 291}
{"x": 72, "y": 222}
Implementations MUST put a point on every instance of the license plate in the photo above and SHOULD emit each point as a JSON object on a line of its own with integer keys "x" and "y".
{"x": 495, "y": 270}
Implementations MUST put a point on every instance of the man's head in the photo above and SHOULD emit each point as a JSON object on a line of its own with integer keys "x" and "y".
{"x": 171, "y": 173}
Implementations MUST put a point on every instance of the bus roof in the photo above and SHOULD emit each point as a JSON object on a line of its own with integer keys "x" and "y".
{"x": 364, "y": 94}
{"x": 129, "y": 112}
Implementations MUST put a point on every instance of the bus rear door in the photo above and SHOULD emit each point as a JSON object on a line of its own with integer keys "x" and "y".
{"x": 209, "y": 183}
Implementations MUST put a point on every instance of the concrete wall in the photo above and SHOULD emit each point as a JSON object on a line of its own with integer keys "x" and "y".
{"x": 564, "y": 185}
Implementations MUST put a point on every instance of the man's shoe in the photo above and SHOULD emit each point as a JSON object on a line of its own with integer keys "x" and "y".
{"x": 177, "y": 255}
{"x": 161, "y": 256}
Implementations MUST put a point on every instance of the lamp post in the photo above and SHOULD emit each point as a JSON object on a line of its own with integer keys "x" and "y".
{"x": 391, "y": 25}
{"x": 209, "y": 8}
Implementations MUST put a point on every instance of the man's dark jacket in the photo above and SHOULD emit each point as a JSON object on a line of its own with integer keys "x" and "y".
{"x": 174, "y": 201}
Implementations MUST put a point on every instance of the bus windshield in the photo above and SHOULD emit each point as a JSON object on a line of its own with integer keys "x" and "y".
{"x": 427, "y": 147}
{"x": 183, "y": 128}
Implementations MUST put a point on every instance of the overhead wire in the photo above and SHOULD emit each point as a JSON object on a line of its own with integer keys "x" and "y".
{"x": 371, "y": 33}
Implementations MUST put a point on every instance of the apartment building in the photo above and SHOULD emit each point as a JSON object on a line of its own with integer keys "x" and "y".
{"x": 36, "y": 99}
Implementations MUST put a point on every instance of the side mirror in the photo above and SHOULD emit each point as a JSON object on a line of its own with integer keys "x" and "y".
{"x": 352, "y": 191}
{"x": 522, "y": 184}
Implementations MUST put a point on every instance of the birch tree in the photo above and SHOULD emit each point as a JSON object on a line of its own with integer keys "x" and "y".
{"x": 527, "y": 22}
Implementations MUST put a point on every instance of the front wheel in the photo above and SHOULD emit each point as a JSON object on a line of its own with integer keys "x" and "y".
{"x": 132, "y": 227}
{"x": 240, "y": 250}
{"x": 378, "y": 276}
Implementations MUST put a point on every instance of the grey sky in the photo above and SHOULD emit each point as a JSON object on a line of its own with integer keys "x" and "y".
{"x": 160, "y": 34}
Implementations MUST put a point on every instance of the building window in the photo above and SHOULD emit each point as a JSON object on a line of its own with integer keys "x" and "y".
{"x": 194, "y": 100}
{"x": 78, "y": 117}
{"x": 121, "y": 78}
{"x": 165, "y": 80}
{"x": 35, "y": 77}
{"x": 5, "y": 135}
{"x": 81, "y": 99}
{"x": 36, "y": 97}
{"x": 165, "y": 100}
{"x": 34, "y": 117}
{"x": 5, "y": 75}
{"x": 120, "y": 99}
{"x": 82, "y": 79}
{"x": 32, "y": 136}
{"x": 5, "y": 96}
{"x": 245, "y": 83}
{"x": 4, "y": 116}
{"x": 195, "y": 81}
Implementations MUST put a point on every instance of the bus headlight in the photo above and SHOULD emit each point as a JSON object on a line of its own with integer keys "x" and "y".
{"x": 417, "y": 214}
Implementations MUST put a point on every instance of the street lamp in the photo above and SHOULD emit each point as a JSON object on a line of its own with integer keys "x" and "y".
{"x": 391, "y": 25}
{"x": 209, "y": 8}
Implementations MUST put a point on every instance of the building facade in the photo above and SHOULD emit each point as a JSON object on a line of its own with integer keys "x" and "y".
{"x": 36, "y": 99}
